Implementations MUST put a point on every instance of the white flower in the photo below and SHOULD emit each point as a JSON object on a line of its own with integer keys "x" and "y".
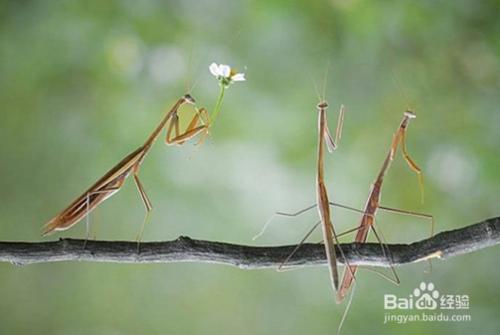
{"x": 225, "y": 75}
{"x": 220, "y": 70}
{"x": 238, "y": 77}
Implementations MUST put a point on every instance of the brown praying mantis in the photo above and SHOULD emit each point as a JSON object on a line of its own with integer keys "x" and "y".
{"x": 114, "y": 179}
{"x": 330, "y": 238}
{"x": 373, "y": 202}
{"x": 373, "y": 205}
{"x": 329, "y": 235}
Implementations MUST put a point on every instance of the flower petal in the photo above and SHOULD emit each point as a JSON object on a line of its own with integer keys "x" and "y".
{"x": 214, "y": 69}
{"x": 238, "y": 77}
{"x": 225, "y": 70}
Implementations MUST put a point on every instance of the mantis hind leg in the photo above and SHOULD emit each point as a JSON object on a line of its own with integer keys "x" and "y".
{"x": 411, "y": 213}
{"x": 87, "y": 205}
{"x": 414, "y": 214}
{"x": 147, "y": 205}
{"x": 302, "y": 211}
{"x": 386, "y": 252}
{"x": 297, "y": 247}
{"x": 306, "y": 236}
{"x": 268, "y": 222}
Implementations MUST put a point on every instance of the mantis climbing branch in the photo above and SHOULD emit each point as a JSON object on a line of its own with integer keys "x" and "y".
{"x": 184, "y": 249}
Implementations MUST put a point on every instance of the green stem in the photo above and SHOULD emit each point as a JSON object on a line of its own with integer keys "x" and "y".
{"x": 218, "y": 105}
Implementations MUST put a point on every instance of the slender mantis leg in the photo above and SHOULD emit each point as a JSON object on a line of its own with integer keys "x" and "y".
{"x": 357, "y": 210}
{"x": 191, "y": 130}
{"x": 206, "y": 120}
{"x": 300, "y": 212}
{"x": 147, "y": 204}
{"x": 411, "y": 213}
{"x": 349, "y": 231}
{"x": 306, "y": 236}
{"x": 87, "y": 205}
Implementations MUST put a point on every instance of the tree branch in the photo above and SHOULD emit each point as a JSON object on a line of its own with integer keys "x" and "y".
{"x": 184, "y": 249}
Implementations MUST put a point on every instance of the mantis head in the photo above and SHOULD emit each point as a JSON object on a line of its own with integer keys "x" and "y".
{"x": 322, "y": 105}
{"x": 409, "y": 114}
{"x": 189, "y": 99}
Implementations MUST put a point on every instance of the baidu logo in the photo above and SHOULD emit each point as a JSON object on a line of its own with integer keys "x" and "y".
{"x": 427, "y": 296}
{"x": 426, "y": 303}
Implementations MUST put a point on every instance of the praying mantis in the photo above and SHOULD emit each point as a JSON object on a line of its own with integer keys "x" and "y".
{"x": 329, "y": 235}
{"x": 373, "y": 205}
{"x": 114, "y": 179}
{"x": 330, "y": 238}
{"x": 373, "y": 202}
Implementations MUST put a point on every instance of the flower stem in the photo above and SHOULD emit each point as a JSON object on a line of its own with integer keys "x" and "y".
{"x": 218, "y": 105}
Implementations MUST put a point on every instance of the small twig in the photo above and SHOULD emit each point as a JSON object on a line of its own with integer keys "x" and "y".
{"x": 184, "y": 249}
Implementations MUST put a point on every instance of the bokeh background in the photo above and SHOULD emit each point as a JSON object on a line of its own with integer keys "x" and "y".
{"x": 82, "y": 83}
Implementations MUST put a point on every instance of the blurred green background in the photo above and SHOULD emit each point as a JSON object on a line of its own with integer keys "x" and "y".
{"x": 82, "y": 83}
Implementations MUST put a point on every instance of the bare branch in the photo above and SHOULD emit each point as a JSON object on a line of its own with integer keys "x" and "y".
{"x": 184, "y": 249}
